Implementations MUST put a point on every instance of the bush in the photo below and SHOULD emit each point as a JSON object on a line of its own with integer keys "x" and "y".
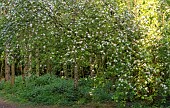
{"x": 46, "y": 89}
{"x": 95, "y": 89}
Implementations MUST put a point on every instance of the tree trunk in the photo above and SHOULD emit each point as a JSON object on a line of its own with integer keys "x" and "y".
{"x": 27, "y": 67}
{"x": 65, "y": 70}
{"x": 7, "y": 66}
{"x": 72, "y": 71}
{"x": 25, "y": 70}
{"x": 2, "y": 69}
{"x": 49, "y": 67}
{"x": 29, "y": 64}
{"x": 13, "y": 73}
{"x": 22, "y": 72}
{"x": 75, "y": 75}
{"x": 37, "y": 69}
{"x": 37, "y": 63}
{"x": 91, "y": 67}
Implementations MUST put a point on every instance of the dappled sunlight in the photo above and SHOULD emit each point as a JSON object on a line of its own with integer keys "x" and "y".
{"x": 146, "y": 14}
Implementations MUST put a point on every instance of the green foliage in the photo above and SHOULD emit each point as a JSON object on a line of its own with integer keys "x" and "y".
{"x": 59, "y": 91}
{"x": 50, "y": 90}
{"x": 129, "y": 45}
{"x": 168, "y": 1}
{"x": 53, "y": 90}
{"x": 168, "y": 84}
{"x": 93, "y": 89}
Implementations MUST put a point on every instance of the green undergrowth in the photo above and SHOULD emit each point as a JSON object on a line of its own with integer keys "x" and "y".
{"x": 51, "y": 90}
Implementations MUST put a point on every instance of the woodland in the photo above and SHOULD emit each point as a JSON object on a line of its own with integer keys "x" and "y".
{"x": 75, "y": 52}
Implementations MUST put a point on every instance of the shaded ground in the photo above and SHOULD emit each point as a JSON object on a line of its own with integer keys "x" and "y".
{"x": 7, "y": 104}
{"x": 4, "y": 104}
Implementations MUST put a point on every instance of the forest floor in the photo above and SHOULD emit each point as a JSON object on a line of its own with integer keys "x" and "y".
{"x": 9, "y": 104}
{"x": 5, "y": 104}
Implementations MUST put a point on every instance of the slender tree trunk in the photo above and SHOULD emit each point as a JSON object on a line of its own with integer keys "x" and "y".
{"x": 22, "y": 72}
{"x": 72, "y": 71}
{"x": 13, "y": 73}
{"x": 25, "y": 70}
{"x": 2, "y": 69}
{"x": 7, "y": 66}
{"x": 37, "y": 69}
{"x": 37, "y": 63}
{"x": 65, "y": 70}
{"x": 76, "y": 75}
{"x": 91, "y": 67}
{"x": 27, "y": 67}
{"x": 30, "y": 64}
{"x": 48, "y": 67}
